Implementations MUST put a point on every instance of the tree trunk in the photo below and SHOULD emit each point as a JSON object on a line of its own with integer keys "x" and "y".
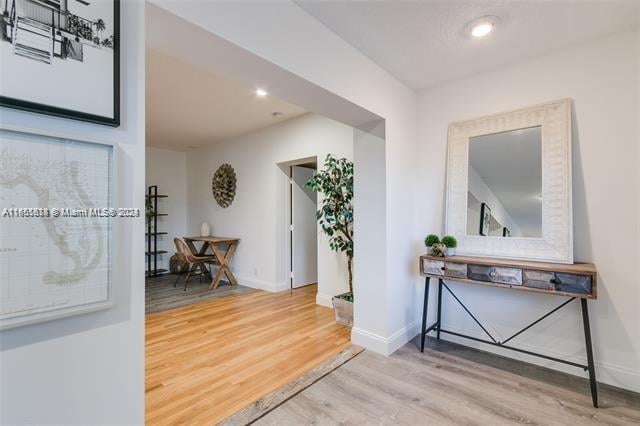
{"x": 349, "y": 266}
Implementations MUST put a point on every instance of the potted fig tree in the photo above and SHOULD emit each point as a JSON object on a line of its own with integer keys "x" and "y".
{"x": 335, "y": 217}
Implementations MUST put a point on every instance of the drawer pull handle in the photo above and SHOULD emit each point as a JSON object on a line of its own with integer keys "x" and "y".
{"x": 554, "y": 281}
{"x": 443, "y": 268}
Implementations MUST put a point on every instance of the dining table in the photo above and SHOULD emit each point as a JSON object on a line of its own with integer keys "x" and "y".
{"x": 223, "y": 257}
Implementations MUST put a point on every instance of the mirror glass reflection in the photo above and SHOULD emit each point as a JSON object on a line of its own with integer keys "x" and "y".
{"x": 504, "y": 196}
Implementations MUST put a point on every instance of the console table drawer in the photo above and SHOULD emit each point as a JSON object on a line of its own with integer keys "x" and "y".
{"x": 573, "y": 283}
{"x": 455, "y": 270}
{"x": 432, "y": 267}
{"x": 511, "y": 276}
{"x": 558, "y": 281}
{"x": 539, "y": 279}
{"x": 495, "y": 274}
{"x": 480, "y": 272}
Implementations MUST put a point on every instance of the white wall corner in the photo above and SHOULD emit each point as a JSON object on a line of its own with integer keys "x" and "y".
{"x": 324, "y": 300}
{"x": 263, "y": 285}
{"x": 384, "y": 345}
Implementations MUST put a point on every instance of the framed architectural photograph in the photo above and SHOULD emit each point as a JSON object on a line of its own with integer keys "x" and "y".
{"x": 485, "y": 220}
{"x": 56, "y": 232}
{"x": 62, "y": 58}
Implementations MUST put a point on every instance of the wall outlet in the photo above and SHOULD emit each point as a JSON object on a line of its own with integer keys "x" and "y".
{"x": 255, "y": 272}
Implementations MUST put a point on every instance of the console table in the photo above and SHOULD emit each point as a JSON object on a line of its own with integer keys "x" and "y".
{"x": 576, "y": 281}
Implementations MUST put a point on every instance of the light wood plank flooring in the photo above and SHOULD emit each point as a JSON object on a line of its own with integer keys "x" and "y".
{"x": 206, "y": 361}
{"x": 161, "y": 295}
{"x": 440, "y": 388}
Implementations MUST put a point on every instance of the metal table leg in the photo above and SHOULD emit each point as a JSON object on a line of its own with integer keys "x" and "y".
{"x": 590, "y": 363}
{"x": 439, "y": 307}
{"x": 423, "y": 332}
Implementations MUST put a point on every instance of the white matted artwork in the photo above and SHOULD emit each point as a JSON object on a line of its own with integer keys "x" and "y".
{"x": 51, "y": 267}
{"x": 550, "y": 195}
{"x": 61, "y": 57}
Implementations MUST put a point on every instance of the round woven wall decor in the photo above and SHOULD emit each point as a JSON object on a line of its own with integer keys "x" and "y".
{"x": 223, "y": 185}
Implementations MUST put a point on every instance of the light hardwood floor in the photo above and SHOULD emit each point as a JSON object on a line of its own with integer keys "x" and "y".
{"x": 439, "y": 388}
{"x": 206, "y": 361}
{"x": 161, "y": 295}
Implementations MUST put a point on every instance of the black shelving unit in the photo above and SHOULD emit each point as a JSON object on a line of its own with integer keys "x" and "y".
{"x": 152, "y": 234}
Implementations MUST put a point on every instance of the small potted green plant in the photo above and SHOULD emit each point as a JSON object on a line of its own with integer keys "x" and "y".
{"x": 430, "y": 240}
{"x": 451, "y": 243}
{"x": 149, "y": 213}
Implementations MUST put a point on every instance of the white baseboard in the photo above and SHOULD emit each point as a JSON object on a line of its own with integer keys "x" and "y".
{"x": 324, "y": 300}
{"x": 262, "y": 285}
{"x": 384, "y": 345}
{"x": 614, "y": 375}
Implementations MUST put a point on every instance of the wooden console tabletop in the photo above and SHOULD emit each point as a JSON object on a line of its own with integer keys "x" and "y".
{"x": 552, "y": 269}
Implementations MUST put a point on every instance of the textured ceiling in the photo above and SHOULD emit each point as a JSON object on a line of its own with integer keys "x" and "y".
{"x": 423, "y": 43}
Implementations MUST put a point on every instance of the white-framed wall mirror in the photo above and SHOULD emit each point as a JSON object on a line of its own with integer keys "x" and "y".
{"x": 509, "y": 184}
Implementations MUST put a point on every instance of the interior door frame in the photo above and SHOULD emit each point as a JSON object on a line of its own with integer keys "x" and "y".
{"x": 286, "y": 168}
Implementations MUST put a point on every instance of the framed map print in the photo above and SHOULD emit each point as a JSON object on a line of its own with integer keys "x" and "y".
{"x": 55, "y": 240}
{"x": 62, "y": 58}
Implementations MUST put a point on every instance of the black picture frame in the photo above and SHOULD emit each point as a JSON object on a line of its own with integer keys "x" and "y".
{"x": 485, "y": 220}
{"x": 50, "y": 110}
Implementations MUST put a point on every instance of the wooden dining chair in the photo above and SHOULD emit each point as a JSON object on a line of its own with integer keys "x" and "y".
{"x": 192, "y": 260}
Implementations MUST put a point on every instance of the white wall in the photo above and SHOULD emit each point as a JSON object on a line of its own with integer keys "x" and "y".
{"x": 257, "y": 214}
{"x": 603, "y": 79}
{"x": 168, "y": 170}
{"x": 89, "y": 369}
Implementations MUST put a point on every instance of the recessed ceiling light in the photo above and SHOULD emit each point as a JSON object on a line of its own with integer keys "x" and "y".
{"x": 481, "y": 27}
{"x": 261, "y": 93}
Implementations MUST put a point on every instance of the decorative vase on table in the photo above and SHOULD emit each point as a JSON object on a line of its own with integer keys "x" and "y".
{"x": 205, "y": 229}
{"x": 439, "y": 250}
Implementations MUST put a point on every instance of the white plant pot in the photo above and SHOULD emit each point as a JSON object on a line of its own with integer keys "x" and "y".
{"x": 451, "y": 251}
{"x": 205, "y": 229}
{"x": 343, "y": 310}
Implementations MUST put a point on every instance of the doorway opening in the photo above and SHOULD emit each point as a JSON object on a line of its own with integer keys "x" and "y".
{"x": 259, "y": 340}
{"x": 303, "y": 232}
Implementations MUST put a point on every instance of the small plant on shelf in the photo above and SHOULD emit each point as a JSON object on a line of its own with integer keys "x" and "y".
{"x": 441, "y": 247}
{"x": 430, "y": 240}
{"x": 149, "y": 210}
{"x": 451, "y": 243}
